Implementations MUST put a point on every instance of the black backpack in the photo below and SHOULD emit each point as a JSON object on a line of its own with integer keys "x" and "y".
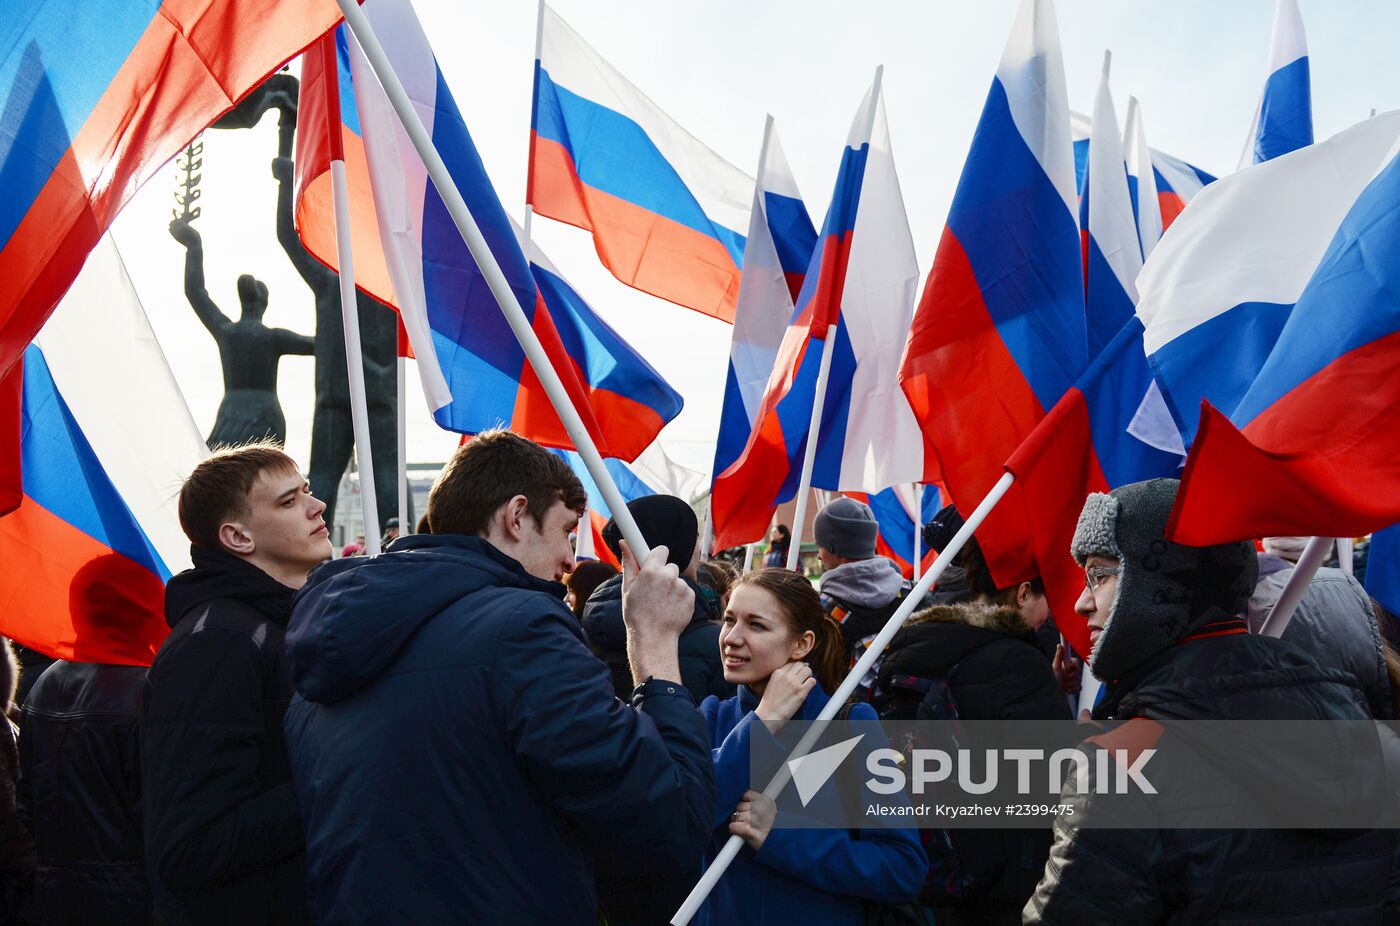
{"x": 910, "y": 697}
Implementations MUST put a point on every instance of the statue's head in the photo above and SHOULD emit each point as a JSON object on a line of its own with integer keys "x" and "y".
{"x": 252, "y": 292}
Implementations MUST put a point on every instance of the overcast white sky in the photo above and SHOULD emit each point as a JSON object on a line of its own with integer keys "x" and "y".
{"x": 718, "y": 67}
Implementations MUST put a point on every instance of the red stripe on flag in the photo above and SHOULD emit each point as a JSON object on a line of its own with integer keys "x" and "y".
{"x": 641, "y": 248}
{"x": 1170, "y": 205}
{"x": 194, "y": 62}
{"x": 966, "y": 388}
{"x": 11, "y": 416}
{"x": 632, "y": 425}
{"x": 69, "y": 596}
{"x": 1056, "y": 469}
{"x": 601, "y": 551}
{"x": 314, "y": 210}
{"x": 1345, "y": 483}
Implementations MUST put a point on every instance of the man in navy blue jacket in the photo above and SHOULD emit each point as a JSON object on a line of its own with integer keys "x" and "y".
{"x": 457, "y": 751}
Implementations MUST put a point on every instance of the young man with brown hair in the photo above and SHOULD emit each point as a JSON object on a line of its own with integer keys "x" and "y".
{"x": 223, "y": 838}
{"x": 459, "y": 754}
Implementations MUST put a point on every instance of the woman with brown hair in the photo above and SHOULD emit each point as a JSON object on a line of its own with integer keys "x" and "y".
{"x": 786, "y": 654}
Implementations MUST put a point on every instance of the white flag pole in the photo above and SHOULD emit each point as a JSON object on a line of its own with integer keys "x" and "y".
{"x": 748, "y": 556}
{"x": 809, "y": 452}
{"x": 843, "y": 692}
{"x": 918, "y": 527}
{"x": 1346, "y": 555}
{"x": 809, "y": 455}
{"x": 359, "y": 25}
{"x": 530, "y": 164}
{"x": 350, "y": 318}
{"x": 1298, "y": 582}
{"x": 707, "y": 537}
{"x": 402, "y": 363}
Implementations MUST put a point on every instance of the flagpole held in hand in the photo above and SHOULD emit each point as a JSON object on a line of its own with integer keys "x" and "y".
{"x": 843, "y": 693}
{"x": 515, "y": 316}
{"x": 349, "y": 307}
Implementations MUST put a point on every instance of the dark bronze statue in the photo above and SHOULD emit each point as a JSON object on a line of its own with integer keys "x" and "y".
{"x": 332, "y": 432}
{"x": 249, "y": 350}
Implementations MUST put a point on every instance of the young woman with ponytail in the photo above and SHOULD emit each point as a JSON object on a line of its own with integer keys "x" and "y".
{"x": 786, "y": 655}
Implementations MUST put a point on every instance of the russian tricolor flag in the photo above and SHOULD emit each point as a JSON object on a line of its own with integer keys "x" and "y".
{"x": 780, "y": 243}
{"x": 88, "y": 549}
{"x": 666, "y": 212}
{"x": 999, "y": 334}
{"x": 94, "y": 97}
{"x": 628, "y": 483}
{"x": 858, "y": 293}
{"x": 1275, "y": 304}
{"x": 1176, "y": 181}
{"x": 82, "y": 582}
{"x": 1142, "y": 180}
{"x": 1107, "y": 227}
{"x": 473, "y": 370}
{"x": 1283, "y": 120}
{"x": 1085, "y": 444}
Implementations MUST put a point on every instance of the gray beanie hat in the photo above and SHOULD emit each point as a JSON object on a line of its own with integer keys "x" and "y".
{"x": 847, "y": 528}
{"x": 1165, "y": 589}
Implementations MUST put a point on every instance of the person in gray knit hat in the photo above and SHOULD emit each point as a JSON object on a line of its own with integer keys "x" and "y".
{"x": 859, "y": 589}
{"x": 1170, "y": 641}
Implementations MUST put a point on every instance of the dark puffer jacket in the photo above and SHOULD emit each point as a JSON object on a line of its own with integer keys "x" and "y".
{"x": 1102, "y": 875}
{"x": 223, "y": 837}
{"x": 80, "y": 794}
{"x": 991, "y": 660}
{"x": 702, "y": 671}
{"x": 996, "y": 670}
{"x": 458, "y": 751}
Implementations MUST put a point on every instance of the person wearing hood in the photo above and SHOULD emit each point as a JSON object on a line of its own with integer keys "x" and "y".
{"x": 458, "y": 753}
{"x": 1335, "y": 620}
{"x": 668, "y": 521}
{"x": 223, "y": 837}
{"x": 859, "y": 590}
{"x": 1170, "y": 640}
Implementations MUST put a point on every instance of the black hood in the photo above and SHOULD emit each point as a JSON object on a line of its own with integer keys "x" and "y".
{"x": 220, "y": 575}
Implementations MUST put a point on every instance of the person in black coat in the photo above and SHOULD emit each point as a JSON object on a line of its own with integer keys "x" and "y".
{"x": 224, "y": 839}
{"x": 1171, "y": 643}
{"x": 457, "y": 752}
{"x": 80, "y": 772}
{"x": 80, "y": 794}
{"x": 994, "y": 668}
{"x": 16, "y": 844}
{"x": 663, "y": 519}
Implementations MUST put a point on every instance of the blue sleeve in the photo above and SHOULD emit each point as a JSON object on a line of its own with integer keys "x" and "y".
{"x": 883, "y": 864}
{"x": 733, "y": 757}
{"x": 635, "y": 776}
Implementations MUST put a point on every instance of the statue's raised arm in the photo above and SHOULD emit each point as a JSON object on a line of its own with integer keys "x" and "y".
{"x": 182, "y": 231}
{"x": 311, "y": 269}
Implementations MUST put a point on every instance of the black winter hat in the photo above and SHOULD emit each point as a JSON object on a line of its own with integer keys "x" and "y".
{"x": 663, "y": 519}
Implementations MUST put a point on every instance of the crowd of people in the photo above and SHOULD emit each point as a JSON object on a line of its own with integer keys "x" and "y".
{"x": 472, "y": 727}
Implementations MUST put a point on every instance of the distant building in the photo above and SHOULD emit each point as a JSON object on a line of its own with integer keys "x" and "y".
{"x": 348, "y": 520}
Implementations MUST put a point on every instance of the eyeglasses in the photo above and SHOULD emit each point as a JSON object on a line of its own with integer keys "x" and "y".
{"x": 1094, "y": 575}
